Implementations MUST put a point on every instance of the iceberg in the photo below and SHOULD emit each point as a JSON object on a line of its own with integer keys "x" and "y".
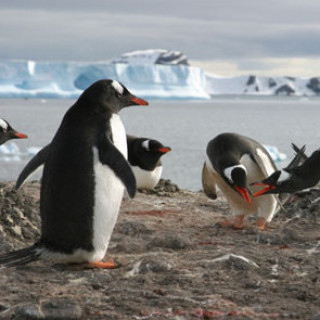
{"x": 275, "y": 154}
{"x": 151, "y": 74}
{"x": 11, "y": 152}
{"x": 153, "y": 56}
{"x": 31, "y": 79}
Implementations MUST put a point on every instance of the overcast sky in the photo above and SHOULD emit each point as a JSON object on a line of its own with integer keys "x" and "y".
{"x": 226, "y": 37}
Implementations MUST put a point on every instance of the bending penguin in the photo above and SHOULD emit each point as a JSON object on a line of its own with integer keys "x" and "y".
{"x": 85, "y": 173}
{"x": 290, "y": 180}
{"x": 8, "y": 133}
{"x": 144, "y": 157}
{"x": 232, "y": 162}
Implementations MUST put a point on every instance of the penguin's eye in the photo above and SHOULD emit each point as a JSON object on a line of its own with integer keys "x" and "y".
{"x": 118, "y": 95}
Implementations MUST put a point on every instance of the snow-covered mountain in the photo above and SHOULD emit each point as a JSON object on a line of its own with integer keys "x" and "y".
{"x": 153, "y": 56}
{"x": 152, "y": 74}
{"x": 253, "y": 85}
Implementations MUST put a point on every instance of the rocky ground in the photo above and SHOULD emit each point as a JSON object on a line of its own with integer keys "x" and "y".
{"x": 175, "y": 262}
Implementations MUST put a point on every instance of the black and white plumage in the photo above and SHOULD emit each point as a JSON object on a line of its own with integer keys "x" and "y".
{"x": 232, "y": 162}
{"x": 85, "y": 173}
{"x": 293, "y": 179}
{"x": 8, "y": 133}
{"x": 144, "y": 157}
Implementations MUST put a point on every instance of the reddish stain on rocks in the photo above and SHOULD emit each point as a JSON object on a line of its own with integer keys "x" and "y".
{"x": 154, "y": 213}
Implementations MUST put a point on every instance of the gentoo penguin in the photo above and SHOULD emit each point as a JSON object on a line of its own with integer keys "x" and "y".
{"x": 84, "y": 176}
{"x": 232, "y": 162}
{"x": 290, "y": 180}
{"x": 8, "y": 133}
{"x": 144, "y": 157}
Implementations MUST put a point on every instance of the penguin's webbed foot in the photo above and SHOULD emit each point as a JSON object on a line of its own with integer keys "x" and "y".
{"x": 261, "y": 223}
{"x": 102, "y": 265}
{"x": 238, "y": 223}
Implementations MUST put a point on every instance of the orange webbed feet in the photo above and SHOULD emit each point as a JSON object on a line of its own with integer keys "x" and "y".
{"x": 261, "y": 223}
{"x": 102, "y": 265}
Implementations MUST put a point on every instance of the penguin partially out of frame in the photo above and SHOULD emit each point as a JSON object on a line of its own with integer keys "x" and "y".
{"x": 292, "y": 179}
{"x": 8, "y": 133}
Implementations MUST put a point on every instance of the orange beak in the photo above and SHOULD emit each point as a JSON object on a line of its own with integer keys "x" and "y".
{"x": 139, "y": 101}
{"x": 262, "y": 191}
{"x": 164, "y": 149}
{"x": 20, "y": 135}
{"x": 244, "y": 193}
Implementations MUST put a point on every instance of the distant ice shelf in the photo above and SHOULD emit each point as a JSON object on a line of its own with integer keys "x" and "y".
{"x": 30, "y": 79}
{"x": 10, "y": 152}
{"x": 151, "y": 74}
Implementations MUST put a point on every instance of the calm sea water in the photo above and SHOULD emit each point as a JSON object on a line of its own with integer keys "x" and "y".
{"x": 185, "y": 126}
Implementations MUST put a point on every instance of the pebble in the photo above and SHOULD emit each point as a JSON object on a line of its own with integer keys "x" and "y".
{"x": 28, "y": 312}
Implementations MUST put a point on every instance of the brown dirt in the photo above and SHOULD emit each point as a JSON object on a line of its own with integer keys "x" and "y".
{"x": 175, "y": 263}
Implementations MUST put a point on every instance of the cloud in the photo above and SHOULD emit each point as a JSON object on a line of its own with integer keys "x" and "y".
{"x": 205, "y": 30}
{"x": 296, "y": 67}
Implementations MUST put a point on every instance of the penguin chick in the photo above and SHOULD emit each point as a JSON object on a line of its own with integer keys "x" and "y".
{"x": 84, "y": 176}
{"x": 232, "y": 162}
{"x": 144, "y": 157}
{"x": 8, "y": 133}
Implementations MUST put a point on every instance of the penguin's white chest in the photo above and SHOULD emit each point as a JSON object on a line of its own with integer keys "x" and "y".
{"x": 147, "y": 179}
{"x": 108, "y": 192}
{"x": 119, "y": 134}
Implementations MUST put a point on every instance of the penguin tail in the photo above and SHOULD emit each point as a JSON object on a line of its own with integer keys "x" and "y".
{"x": 299, "y": 158}
{"x": 20, "y": 257}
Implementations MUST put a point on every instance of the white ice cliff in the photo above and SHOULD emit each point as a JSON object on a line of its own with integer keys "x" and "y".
{"x": 152, "y": 74}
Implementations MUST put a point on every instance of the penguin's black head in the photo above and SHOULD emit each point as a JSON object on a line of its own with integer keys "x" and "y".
{"x": 154, "y": 147}
{"x": 109, "y": 95}
{"x": 7, "y": 132}
{"x": 236, "y": 177}
{"x": 147, "y": 153}
{"x": 278, "y": 182}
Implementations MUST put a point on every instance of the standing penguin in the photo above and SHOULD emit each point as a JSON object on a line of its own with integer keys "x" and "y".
{"x": 85, "y": 171}
{"x": 232, "y": 162}
{"x": 8, "y": 133}
{"x": 144, "y": 157}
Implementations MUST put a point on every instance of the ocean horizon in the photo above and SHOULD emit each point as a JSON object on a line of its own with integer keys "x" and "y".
{"x": 185, "y": 126}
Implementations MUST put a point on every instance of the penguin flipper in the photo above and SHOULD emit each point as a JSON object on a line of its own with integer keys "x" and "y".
{"x": 38, "y": 160}
{"x": 20, "y": 257}
{"x": 299, "y": 158}
{"x": 208, "y": 183}
{"x": 109, "y": 155}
